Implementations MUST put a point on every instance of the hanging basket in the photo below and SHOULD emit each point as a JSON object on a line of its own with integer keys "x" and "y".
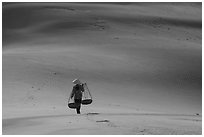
{"x": 72, "y": 105}
{"x": 87, "y": 98}
{"x": 86, "y": 101}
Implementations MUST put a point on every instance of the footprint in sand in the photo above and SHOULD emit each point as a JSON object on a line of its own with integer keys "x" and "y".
{"x": 110, "y": 124}
{"x": 92, "y": 114}
{"x": 102, "y": 121}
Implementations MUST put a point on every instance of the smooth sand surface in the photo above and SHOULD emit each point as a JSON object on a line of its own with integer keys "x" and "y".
{"x": 142, "y": 63}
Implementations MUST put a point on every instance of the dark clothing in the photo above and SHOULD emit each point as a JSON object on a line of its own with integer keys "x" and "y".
{"x": 77, "y": 93}
{"x": 78, "y": 105}
{"x": 78, "y": 101}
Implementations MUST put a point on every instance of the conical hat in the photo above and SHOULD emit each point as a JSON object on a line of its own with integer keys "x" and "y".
{"x": 76, "y": 81}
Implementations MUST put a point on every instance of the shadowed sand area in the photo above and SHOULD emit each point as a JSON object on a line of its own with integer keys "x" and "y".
{"x": 141, "y": 61}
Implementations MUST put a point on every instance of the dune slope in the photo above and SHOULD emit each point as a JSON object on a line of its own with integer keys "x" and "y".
{"x": 140, "y": 57}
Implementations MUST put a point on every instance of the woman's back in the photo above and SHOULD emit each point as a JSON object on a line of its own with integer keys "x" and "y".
{"x": 77, "y": 91}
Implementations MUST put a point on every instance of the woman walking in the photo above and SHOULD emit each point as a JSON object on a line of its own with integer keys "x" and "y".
{"x": 77, "y": 90}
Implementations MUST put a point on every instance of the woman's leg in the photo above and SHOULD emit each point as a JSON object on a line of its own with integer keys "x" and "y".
{"x": 78, "y": 105}
{"x": 78, "y": 109}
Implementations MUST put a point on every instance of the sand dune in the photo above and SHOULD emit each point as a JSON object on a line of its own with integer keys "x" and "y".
{"x": 135, "y": 58}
